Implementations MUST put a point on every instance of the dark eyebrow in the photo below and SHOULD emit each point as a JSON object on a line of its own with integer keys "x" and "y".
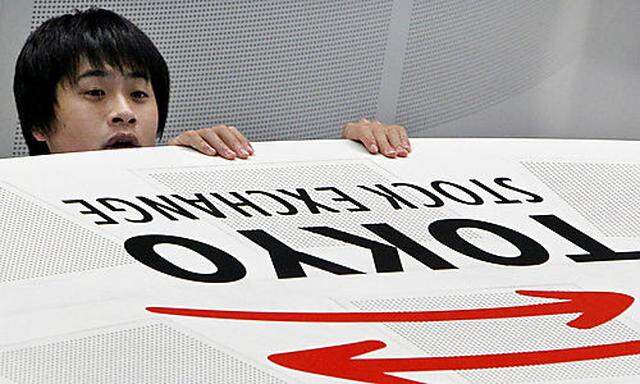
{"x": 103, "y": 73}
{"x": 138, "y": 75}
{"x": 93, "y": 73}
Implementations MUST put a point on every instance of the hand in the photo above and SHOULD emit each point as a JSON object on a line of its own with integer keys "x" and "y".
{"x": 390, "y": 140}
{"x": 222, "y": 140}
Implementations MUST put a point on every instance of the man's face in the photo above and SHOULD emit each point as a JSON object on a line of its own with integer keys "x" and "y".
{"x": 103, "y": 108}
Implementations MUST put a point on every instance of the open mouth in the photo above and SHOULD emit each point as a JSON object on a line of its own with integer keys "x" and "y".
{"x": 121, "y": 144}
{"x": 122, "y": 140}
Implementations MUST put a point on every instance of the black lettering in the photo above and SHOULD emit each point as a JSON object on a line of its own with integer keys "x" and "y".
{"x": 145, "y": 216}
{"x": 314, "y": 207}
{"x": 501, "y": 199}
{"x": 164, "y": 209}
{"x": 501, "y": 181}
{"x": 393, "y": 198}
{"x": 243, "y": 202}
{"x": 437, "y": 201}
{"x": 291, "y": 209}
{"x": 92, "y": 211}
{"x": 229, "y": 269}
{"x": 531, "y": 252}
{"x": 201, "y": 203}
{"x": 437, "y": 185}
{"x": 357, "y": 207}
{"x": 409, "y": 246}
{"x": 596, "y": 250}
{"x": 385, "y": 257}
{"x": 287, "y": 261}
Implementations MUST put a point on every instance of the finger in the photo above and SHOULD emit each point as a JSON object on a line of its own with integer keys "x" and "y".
{"x": 230, "y": 139}
{"x": 381, "y": 139}
{"x": 194, "y": 140}
{"x": 217, "y": 143}
{"x": 393, "y": 135}
{"x": 348, "y": 131}
{"x": 404, "y": 137}
{"x": 243, "y": 140}
{"x": 363, "y": 134}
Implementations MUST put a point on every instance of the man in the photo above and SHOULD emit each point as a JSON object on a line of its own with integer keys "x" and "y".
{"x": 93, "y": 80}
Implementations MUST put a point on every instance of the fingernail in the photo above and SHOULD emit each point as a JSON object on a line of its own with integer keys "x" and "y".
{"x": 402, "y": 152}
{"x": 373, "y": 148}
{"x": 244, "y": 153}
{"x": 391, "y": 152}
{"x": 229, "y": 154}
{"x": 250, "y": 149}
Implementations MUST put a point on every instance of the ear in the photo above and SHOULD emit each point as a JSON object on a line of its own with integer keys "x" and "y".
{"x": 38, "y": 135}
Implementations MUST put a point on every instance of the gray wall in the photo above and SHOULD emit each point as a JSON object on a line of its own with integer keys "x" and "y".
{"x": 15, "y": 20}
{"x": 300, "y": 69}
{"x": 595, "y": 95}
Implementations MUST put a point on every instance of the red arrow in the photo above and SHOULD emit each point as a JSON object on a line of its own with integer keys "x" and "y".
{"x": 338, "y": 361}
{"x": 595, "y": 308}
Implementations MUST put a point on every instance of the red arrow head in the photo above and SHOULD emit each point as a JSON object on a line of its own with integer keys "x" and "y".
{"x": 596, "y": 308}
{"x": 338, "y": 361}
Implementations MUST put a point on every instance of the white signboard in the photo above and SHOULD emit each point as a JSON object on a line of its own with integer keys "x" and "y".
{"x": 470, "y": 261}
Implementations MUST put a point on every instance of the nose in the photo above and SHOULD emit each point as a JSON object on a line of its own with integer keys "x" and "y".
{"x": 122, "y": 116}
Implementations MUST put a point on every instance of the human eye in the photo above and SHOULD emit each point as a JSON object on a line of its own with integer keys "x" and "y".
{"x": 95, "y": 93}
{"x": 139, "y": 95}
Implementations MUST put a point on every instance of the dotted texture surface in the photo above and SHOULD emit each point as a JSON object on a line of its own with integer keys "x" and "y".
{"x": 344, "y": 175}
{"x": 275, "y": 69}
{"x": 483, "y": 337}
{"x": 151, "y": 353}
{"x": 605, "y": 194}
{"x": 27, "y": 250}
{"x": 463, "y": 56}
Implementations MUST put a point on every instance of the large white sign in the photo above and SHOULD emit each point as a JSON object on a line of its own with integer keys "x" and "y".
{"x": 470, "y": 261}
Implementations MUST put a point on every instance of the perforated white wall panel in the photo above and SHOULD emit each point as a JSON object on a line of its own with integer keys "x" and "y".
{"x": 153, "y": 353}
{"x": 606, "y": 194}
{"x": 463, "y": 56}
{"x": 27, "y": 251}
{"x": 276, "y": 70}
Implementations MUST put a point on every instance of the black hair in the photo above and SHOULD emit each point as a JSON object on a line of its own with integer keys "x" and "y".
{"x": 53, "y": 52}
